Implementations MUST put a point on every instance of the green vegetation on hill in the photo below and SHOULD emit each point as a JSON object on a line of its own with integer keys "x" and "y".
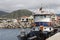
{"x": 18, "y": 13}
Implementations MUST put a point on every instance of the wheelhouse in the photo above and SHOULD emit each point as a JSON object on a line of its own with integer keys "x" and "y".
{"x": 42, "y": 19}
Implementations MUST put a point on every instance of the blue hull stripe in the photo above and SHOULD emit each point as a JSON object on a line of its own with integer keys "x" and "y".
{"x": 41, "y": 23}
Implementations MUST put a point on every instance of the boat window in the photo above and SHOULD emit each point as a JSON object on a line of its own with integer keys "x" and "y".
{"x": 41, "y": 16}
{"x": 48, "y": 16}
{"x": 44, "y": 16}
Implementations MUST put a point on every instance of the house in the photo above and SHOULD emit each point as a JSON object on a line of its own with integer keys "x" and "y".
{"x": 24, "y": 18}
{"x": 26, "y": 21}
{"x": 58, "y": 19}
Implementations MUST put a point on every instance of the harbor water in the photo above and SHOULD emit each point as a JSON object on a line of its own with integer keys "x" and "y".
{"x": 9, "y": 34}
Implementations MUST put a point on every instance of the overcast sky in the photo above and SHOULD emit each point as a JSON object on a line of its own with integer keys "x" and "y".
{"x": 11, "y": 5}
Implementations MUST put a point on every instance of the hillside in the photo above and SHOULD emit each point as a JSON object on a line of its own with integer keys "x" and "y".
{"x": 58, "y": 14}
{"x": 2, "y": 13}
{"x": 18, "y": 13}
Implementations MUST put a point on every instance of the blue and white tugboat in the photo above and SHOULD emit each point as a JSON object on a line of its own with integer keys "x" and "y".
{"x": 43, "y": 21}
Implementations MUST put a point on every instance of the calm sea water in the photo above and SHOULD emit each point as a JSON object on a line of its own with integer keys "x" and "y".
{"x": 9, "y": 34}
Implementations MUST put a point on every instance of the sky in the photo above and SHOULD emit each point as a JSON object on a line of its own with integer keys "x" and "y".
{"x": 12, "y": 5}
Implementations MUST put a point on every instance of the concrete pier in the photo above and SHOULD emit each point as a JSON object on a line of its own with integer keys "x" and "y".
{"x": 55, "y": 37}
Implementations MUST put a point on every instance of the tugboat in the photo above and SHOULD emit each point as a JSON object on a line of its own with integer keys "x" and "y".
{"x": 43, "y": 21}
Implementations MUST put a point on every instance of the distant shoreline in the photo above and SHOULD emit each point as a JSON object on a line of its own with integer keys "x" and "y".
{"x": 7, "y": 28}
{"x": 13, "y": 28}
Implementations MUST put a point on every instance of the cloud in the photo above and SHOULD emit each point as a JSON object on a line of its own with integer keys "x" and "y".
{"x": 11, "y": 5}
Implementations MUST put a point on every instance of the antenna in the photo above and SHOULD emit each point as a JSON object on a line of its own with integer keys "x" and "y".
{"x": 41, "y": 7}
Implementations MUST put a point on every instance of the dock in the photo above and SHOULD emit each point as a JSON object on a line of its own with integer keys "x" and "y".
{"x": 55, "y": 37}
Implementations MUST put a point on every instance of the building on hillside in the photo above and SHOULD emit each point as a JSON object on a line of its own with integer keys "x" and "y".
{"x": 58, "y": 19}
{"x": 26, "y": 21}
{"x": 24, "y": 18}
